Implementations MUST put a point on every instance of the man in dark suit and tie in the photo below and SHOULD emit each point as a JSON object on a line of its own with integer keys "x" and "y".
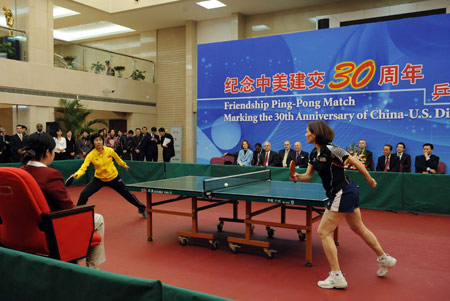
{"x": 18, "y": 141}
{"x": 286, "y": 154}
{"x": 301, "y": 157}
{"x": 427, "y": 163}
{"x": 138, "y": 145}
{"x": 257, "y": 155}
{"x": 270, "y": 158}
{"x": 167, "y": 144}
{"x": 152, "y": 148}
{"x": 367, "y": 154}
{"x": 405, "y": 159}
{"x": 388, "y": 162}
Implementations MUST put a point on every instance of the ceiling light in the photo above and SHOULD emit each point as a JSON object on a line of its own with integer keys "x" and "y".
{"x": 61, "y": 12}
{"x": 210, "y": 4}
{"x": 260, "y": 27}
{"x": 88, "y": 31}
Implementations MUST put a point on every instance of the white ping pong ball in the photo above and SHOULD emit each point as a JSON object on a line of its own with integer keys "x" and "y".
{"x": 226, "y": 184}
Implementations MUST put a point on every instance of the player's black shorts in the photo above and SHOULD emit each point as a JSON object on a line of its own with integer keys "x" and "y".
{"x": 345, "y": 200}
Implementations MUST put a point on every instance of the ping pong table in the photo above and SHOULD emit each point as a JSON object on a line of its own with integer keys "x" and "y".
{"x": 249, "y": 187}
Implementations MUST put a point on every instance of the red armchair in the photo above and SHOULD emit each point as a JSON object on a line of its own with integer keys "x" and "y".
{"x": 26, "y": 223}
{"x": 225, "y": 159}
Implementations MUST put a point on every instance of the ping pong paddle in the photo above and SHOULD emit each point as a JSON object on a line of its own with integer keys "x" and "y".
{"x": 292, "y": 171}
{"x": 69, "y": 181}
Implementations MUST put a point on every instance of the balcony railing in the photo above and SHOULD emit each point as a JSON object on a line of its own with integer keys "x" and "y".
{"x": 13, "y": 46}
{"x": 90, "y": 59}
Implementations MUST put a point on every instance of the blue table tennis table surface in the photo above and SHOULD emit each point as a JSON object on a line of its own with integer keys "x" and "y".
{"x": 278, "y": 192}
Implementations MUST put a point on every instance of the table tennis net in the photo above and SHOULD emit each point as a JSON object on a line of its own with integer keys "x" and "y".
{"x": 236, "y": 180}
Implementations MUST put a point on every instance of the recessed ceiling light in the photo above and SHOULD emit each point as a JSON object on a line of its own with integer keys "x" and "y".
{"x": 61, "y": 12}
{"x": 260, "y": 27}
{"x": 210, "y": 4}
{"x": 87, "y": 31}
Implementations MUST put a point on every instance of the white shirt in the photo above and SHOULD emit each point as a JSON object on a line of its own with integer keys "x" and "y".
{"x": 36, "y": 164}
{"x": 60, "y": 144}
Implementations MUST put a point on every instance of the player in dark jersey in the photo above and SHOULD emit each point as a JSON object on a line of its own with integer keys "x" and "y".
{"x": 328, "y": 160}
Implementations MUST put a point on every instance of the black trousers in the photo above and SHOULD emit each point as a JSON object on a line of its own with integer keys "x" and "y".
{"x": 60, "y": 156}
{"x": 166, "y": 157}
{"x": 152, "y": 155}
{"x": 138, "y": 157}
{"x": 117, "y": 184}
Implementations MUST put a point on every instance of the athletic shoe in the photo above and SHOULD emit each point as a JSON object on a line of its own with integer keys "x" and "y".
{"x": 333, "y": 281}
{"x": 143, "y": 212}
{"x": 385, "y": 262}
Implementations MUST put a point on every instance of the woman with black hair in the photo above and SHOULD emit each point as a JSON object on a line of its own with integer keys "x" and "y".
{"x": 60, "y": 149}
{"x": 85, "y": 144}
{"x": 343, "y": 200}
{"x": 70, "y": 145}
{"x": 106, "y": 174}
{"x": 38, "y": 154}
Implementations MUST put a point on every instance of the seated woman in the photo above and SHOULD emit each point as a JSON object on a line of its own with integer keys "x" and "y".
{"x": 245, "y": 155}
{"x": 39, "y": 153}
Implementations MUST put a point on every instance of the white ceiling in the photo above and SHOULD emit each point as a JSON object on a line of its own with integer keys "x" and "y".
{"x": 171, "y": 14}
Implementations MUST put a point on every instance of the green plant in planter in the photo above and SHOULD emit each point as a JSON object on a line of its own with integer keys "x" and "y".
{"x": 138, "y": 75}
{"x": 74, "y": 115}
{"x": 119, "y": 70}
{"x": 69, "y": 61}
{"x": 98, "y": 67}
{"x": 8, "y": 49}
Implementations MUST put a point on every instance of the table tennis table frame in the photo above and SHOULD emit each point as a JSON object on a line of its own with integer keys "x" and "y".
{"x": 235, "y": 242}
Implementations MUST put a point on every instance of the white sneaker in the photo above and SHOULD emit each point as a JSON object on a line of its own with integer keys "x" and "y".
{"x": 333, "y": 281}
{"x": 385, "y": 262}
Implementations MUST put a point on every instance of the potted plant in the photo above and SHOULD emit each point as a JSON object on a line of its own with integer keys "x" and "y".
{"x": 6, "y": 50}
{"x": 97, "y": 67}
{"x": 74, "y": 116}
{"x": 119, "y": 70}
{"x": 138, "y": 75}
{"x": 69, "y": 61}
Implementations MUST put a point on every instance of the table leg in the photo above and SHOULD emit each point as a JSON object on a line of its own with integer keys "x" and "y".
{"x": 194, "y": 215}
{"x": 308, "y": 236}
{"x": 149, "y": 217}
{"x": 248, "y": 216}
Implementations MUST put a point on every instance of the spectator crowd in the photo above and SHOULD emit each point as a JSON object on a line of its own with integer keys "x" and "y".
{"x": 137, "y": 145}
{"x": 388, "y": 162}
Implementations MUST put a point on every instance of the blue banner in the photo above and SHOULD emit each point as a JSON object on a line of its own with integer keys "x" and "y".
{"x": 385, "y": 82}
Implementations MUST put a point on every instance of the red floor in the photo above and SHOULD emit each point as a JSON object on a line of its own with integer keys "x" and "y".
{"x": 421, "y": 243}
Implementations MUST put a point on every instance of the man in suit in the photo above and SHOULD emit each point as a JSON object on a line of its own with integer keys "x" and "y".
{"x": 145, "y": 142}
{"x": 286, "y": 154}
{"x": 427, "y": 163}
{"x": 257, "y": 155}
{"x": 367, "y": 154}
{"x": 152, "y": 146}
{"x": 167, "y": 144}
{"x": 4, "y": 146}
{"x": 18, "y": 141}
{"x": 270, "y": 158}
{"x": 405, "y": 159}
{"x": 39, "y": 129}
{"x": 388, "y": 162}
{"x": 138, "y": 147}
{"x": 301, "y": 157}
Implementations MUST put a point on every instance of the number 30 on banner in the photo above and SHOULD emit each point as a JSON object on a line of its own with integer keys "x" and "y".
{"x": 347, "y": 73}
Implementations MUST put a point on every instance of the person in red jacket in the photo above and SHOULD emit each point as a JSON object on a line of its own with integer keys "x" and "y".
{"x": 38, "y": 154}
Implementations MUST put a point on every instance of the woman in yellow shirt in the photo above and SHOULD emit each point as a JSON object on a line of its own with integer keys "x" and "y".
{"x": 106, "y": 174}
